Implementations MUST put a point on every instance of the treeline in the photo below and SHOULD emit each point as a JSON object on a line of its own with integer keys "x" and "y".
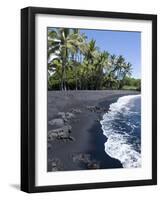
{"x": 75, "y": 64}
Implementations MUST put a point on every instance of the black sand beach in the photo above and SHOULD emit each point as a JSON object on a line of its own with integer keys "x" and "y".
{"x": 75, "y": 138}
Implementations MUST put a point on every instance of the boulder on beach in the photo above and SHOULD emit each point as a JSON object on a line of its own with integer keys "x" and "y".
{"x": 57, "y": 122}
{"x": 69, "y": 115}
{"x": 66, "y": 116}
{"x": 76, "y": 110}
{"x": 93, "y": 108}
{"x": 60, "y": 133}
{"x": 61, "y": 114}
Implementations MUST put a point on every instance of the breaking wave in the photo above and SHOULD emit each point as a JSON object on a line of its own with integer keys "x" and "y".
{"x": 122, "y": 127}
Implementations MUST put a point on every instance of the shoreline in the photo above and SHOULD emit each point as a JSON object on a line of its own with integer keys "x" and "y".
{"x": 84, "y": 149}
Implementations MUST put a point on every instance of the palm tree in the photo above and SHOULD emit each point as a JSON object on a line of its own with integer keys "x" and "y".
{"x": 122, "y": 70}
{"x": 91, "y": 51}
{"x": 90, "y": 56}
{"x": 127, "y": 69}
{"x": 102, "y": 65}
{"x": 120, "y": 67}
{"x": 74, "y": 63}
{"x": 110, "y": 77}
{"x": 112, "y": 61}
{"x": 110, "y": 81}
{"x": 62, "y": 42}
{"x": 80, "y": 48}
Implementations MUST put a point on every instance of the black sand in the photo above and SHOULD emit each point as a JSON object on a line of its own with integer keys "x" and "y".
{"x": 85, "y": 147}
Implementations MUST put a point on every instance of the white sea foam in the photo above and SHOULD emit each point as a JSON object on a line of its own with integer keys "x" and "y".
{"x": 118, "y": 145}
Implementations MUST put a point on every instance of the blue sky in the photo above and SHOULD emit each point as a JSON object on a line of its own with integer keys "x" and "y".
{"x": 123, "y": 43}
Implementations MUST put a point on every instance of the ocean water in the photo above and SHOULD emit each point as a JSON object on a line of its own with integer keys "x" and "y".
{"x": 122, "y": 127}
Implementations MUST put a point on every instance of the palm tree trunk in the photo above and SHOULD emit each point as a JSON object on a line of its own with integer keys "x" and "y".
{"x": 65, "y": 80}
{"x": 76, "y": 87}
{"x": 62, "y": 78}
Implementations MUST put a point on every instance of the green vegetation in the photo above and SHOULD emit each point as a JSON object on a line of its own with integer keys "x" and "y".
{"x": 75, "y": 64}
{"x": 132, "y": 84}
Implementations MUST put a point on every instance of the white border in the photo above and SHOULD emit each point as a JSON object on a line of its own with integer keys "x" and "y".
{"x": 90, "y": 176}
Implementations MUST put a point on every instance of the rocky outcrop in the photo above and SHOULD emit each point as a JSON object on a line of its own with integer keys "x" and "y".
{"x": 60, "y": 133}
{"x": 76, "y": 110}
{"x": 57, "y": 122}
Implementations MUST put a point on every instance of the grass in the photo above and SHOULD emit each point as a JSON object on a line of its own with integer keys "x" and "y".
{"x": 127, "y": 87}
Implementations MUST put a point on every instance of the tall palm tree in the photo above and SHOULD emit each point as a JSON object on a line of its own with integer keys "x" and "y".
{"x": 112, "y": 61}
{"x": 110, "y": 77}
{"x": 90, "y": 57}
{"x": 127, "y": 69}
{"x": 102, "y": 65}
{"x": 80, "y": 48}
{"x": 91, "y": 51}
{"x": 74, "y": 63}
{"x": 123, "y": 69}
{"x": 120, "y": 67}
{"x": 62, "y": 42}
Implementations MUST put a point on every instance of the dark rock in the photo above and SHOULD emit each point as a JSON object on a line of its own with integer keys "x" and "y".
{"x": 60, "y": 133}
{"x": 76, "y": 110}
{"x": 57, "y": 122}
